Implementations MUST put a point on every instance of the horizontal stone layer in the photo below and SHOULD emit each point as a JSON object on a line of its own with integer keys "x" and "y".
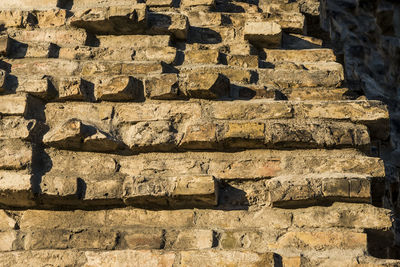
{"x": 173, "y": 192}
{"x": 341, "y": 215}
{"x": 165, "y": 136}
{"x": 226, "y": 166}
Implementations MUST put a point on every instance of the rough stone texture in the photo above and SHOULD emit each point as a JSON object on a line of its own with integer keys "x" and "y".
{"x": 195, "y": 133}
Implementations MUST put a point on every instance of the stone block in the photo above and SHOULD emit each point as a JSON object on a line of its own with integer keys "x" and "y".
{"x": 190, "y": 3}
{"x": 200, "y": 136}
{"x": 247, "y": 61}
{"x": 134, "y": 258}
{"x": 33, "y": 219}
{"x": 16, "y": 105}
{"x": 302, "y": 55}
{"x": 8, "y": 240}
{"x": 3, "y": 75}
{"x": 51, "y": 18}
{"x": 118, "y": 88}
{"x": 6, "y": 221}
{"x": 71, "y": 88}
{"x": 134, "y": 41}
{"x": 162, "y": 87}
{"x": 36, "y": 86}
{"x": 4, "y": 45}
{"x": 17, "y": 128}
{"x": 58, "y": 36}
{"x": 304, "y": 241}
{"x": 210, "y": 56}
{"x": 229, "y": 258}
{"x": 16, "y": 154}
{"x": 15, "y": 189}
{"x": 64, "y": 239}
{"x": 111, "y": 20}
{"x": 263, "y": 34}
{"x": 348, "y": 215}
{"x": 142, "y": 238}
{"x": 189, "y": 239}
{"x": 150, "y": 218}
{"x": 153, "y": 135}
{"x": 74, "y": 134}
{"x": 179, "y": 191}
{"x": 242, "y": 135}
{"x": 205, "y": 85}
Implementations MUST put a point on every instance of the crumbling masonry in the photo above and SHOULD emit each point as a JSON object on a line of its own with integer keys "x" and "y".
{"x": 194, "y": 133}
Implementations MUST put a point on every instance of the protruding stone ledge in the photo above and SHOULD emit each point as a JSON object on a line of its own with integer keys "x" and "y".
{"x": 297, "y": 191}
{"x": 111, "y": 20}
{"x": 153, "y": 192}
{"x": 259, "y": 164}
{"x": 16, "y": 189}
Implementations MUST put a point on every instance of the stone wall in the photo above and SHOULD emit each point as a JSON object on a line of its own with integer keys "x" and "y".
{"x": 185, "y": 133}
{"x": 366, "y": 35}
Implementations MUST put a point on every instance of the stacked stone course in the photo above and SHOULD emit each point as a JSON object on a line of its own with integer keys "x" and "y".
{"x": 184, "y": 133}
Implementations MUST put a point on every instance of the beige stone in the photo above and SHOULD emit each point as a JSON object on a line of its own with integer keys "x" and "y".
{"x": 7, "y": 240}
{"x": 4, "y": 45}
{"x": 134, "y": 258}
{"x": 51, "y": 18}
{"x": 189, "y": 239}
{"x": 118, "y": 88}
{"x": 321, "y": 240}
{"x": 226, "y": 258}
{"x": 206, "y": 85}
{"x": 16, "y": 154}
{"x": 189, "y": 3}
{"x": 13, "y": 104}
{"x": 16, "y": 128}
{"x": 111, "y": 20}
{"x": 263, "y": 34}
{"x": 210, "y": 56}
{"x": 163, "y": 87}
{"x": 6, "y": 221}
